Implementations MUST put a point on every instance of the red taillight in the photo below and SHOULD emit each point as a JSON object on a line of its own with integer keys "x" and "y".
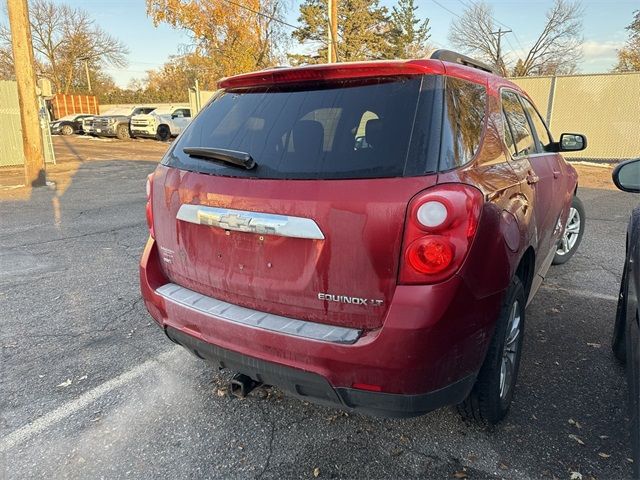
{"x": 440, "y": 226}
{"x": 430, "y": 254}
{"x": 149, "y": 209}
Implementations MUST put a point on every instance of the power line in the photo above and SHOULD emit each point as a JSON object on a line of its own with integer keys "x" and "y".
{"x": 472, "y": 3}
{"x": 445, "y": 8}
{"x": 261, "y": 14}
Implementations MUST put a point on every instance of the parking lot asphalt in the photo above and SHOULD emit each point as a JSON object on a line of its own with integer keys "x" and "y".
{"x": 91, "y": 388}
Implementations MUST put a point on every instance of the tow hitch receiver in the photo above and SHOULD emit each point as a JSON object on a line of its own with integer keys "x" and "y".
{"x": 241, "y": 385}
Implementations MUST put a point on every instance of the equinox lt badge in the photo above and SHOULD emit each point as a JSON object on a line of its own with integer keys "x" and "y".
{"x": 329, "y": 297}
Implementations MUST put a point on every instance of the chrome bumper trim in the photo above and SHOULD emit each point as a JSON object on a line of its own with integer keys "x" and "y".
{"x": 221, "y": 310}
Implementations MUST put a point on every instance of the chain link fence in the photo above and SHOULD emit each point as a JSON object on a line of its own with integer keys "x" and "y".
{"x": 604, "y": 107}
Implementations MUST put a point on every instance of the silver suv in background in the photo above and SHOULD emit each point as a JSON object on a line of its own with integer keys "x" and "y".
{"x": 115, "y": 123}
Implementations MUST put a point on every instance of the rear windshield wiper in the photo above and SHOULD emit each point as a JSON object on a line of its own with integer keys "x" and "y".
{"x": 233, "y": 157}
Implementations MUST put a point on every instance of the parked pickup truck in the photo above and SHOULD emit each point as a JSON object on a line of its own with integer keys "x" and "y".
{"x": 162, "y": 124}
{"x": 115, "y": 123}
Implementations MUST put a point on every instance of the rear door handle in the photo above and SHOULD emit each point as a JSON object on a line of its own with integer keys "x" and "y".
{"x": 532, "y": 178}
{"x": 556, "y": 174}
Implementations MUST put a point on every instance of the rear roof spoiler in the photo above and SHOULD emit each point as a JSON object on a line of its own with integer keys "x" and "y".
{"x": 455, "y": 57}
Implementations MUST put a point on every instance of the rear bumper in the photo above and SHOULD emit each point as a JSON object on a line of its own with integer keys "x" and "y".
{"x": 426, "y": 355}
{"x": 312, "y": 387}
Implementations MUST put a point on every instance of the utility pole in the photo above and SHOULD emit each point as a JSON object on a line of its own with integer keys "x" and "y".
{"x": 23, "y": 60}
{"x": 499, "y": 34}
{"x": 86, "y": 69}
{"x": 332, "y": 54}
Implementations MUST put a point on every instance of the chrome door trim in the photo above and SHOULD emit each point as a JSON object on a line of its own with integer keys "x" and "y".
{"x": 252, "y": 222}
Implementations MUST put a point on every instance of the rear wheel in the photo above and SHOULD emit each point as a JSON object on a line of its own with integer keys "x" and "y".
{"x": 67, "y": 130}
{"x": 573, "y": 232}
{"x": 164, "y": 133}
{"x": 491, "y": 395}
{"x": 122, "y": 132}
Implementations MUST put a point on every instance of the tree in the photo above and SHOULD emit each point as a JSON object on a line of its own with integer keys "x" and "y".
{"x": 171, "y": 82}
{"x": 231, "y": 37}
{"x": 64, "y": 38}
{"x": 629, "y": 55}
{"x": 364, "y": 31}
{"x": 557, "y": 50}
{"x": 410, "y": 34}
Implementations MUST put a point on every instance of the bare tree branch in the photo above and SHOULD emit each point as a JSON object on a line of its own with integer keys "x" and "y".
{"x": 63, "y": 39}
{"x": 556, "y": 50}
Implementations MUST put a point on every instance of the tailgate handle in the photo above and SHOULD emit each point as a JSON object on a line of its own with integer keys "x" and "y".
{"x": 250, "y": 222}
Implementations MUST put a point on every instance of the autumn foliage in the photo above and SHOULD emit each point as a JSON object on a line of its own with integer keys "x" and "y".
{"x": 230, "y": 37}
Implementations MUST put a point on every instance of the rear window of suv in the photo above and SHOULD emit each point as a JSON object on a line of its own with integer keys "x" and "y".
{"x": 346, "y": 129}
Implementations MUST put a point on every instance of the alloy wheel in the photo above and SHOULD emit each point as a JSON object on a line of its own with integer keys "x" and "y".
{"x": 571, "y": 233}
{"x": 510, "y": 350}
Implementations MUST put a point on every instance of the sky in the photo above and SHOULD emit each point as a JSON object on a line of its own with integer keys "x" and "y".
{"x": 149, "y": 46}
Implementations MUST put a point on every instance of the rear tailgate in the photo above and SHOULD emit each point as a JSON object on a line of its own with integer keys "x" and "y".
{"x": 313, "y": 231}
{"x": 355, "y": 264}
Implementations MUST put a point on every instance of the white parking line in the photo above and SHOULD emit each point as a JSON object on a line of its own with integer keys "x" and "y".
{"x": 64, "y": 411}
{"x": 580, "y": 293}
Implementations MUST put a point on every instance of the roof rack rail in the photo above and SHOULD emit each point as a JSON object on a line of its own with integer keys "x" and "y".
{"x": 455, "y": 57}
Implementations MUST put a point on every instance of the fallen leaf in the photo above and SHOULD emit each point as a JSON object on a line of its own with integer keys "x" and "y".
{"x": 576, "y": 438}
{"x": 84, "y": 377}
{"x": 604, "y": 455}
{"x": 66, "y": 383}
{"x": 221, "y": 392}
{"x": 576, "y": 476}
{"x": 460, "y": 474}
{"x": 472, "y": 457}
{"x": 503, "y": 466}
{"x": 316, "y": 472}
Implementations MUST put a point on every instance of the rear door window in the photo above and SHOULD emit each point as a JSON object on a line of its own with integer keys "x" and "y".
{"x": 518, "y": 123}
{"x": 465, "y": 105}
{"x": 345, "y": 129}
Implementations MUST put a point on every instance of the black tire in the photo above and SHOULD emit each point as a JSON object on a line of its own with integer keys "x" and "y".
{"x": 164, "y": 133}
{"x": 66, "y": 130}
{"x": 618, "y": 340}
{"x": 561, "y": 257}
{"x": 122, "y": 132}
{"x": 485, "y": 404}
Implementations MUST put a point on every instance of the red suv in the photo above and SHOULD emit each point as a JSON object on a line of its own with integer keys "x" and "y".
{"x": 365, "y": 235}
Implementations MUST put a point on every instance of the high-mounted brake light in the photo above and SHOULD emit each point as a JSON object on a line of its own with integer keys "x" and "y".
{"x": 149, "y": 208}
{"x": 332, "y": 71}
{"x": 440, "y": 226}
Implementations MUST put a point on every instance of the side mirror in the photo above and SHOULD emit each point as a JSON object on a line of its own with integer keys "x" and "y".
{"x": 572, "y": 142}
{"x": 626, "y": 176}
